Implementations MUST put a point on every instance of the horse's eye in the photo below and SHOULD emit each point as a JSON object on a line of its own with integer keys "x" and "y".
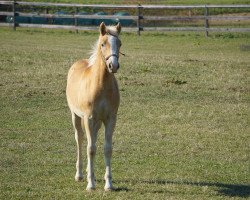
{"x": 103, "y": 44}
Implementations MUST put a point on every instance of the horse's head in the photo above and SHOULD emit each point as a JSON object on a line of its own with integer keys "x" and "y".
{"x": 110, "y": 46}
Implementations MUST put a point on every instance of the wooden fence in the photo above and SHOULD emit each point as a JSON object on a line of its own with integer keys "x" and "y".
{"x": 138, "y": 17}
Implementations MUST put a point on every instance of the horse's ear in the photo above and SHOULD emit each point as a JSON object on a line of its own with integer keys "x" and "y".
{"x": 103, "y": 28}
{"x": 118, "y": 27}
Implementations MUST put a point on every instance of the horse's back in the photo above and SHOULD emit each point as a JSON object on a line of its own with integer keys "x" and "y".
{"x": 78, "y": 68}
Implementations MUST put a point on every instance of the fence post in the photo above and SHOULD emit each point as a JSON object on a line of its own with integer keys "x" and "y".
{"x": 47, "y": 12}
{"x": 14, "y": 15}
{"x": 206, "y": 20}
{"x": 139, "y": 17}
{"x": 76, "y": 20}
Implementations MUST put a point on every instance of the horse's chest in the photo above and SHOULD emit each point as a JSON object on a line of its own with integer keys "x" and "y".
{"x": 103, "y": 107}
{"x": 107, "y": 103}
{"x": 99, "y": 102}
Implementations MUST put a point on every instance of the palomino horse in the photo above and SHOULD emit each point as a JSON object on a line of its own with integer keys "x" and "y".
{"x": 93, "y": 98}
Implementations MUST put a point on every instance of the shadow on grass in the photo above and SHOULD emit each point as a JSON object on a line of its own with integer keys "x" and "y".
{"x": 231, "y": 190}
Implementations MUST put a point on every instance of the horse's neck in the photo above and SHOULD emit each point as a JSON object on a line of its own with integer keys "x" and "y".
{"x": 99, "y": 72}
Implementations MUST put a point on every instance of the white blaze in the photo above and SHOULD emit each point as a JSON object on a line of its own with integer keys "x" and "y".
{"x": 114, "y": 50}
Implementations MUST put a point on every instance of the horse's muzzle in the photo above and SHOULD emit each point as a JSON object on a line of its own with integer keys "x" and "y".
{"x": 113, "y": 68}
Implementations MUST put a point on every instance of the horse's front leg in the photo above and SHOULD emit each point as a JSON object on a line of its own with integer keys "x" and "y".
{"x": 109, "y": 129}
{"x": 91, "y": 127}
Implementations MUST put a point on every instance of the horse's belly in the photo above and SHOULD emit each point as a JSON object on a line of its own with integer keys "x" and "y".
{"x": 77, "y": 111}
{"x": 100, "y": 109}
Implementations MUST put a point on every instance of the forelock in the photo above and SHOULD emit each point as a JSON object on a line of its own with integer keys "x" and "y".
{"x": 112, "y": 30}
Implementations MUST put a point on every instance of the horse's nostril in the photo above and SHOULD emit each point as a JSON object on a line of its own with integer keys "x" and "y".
{"x": 110, "y": 66}
{"x": 118, "y": 66}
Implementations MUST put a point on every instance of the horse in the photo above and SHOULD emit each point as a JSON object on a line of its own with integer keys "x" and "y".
{"x": 93, "y": 99}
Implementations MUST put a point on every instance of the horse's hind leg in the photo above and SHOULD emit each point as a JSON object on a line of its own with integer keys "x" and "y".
{"x": 79, "y": 141}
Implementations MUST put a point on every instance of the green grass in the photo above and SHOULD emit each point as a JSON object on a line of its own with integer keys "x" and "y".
{"x": 182, "y": 130}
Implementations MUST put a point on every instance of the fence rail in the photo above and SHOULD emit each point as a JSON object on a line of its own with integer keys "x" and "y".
{"x": 137, "y": 18}
{"x": 125, "y": 6}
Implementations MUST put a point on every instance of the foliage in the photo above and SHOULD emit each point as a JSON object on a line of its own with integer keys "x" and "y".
{"x": 182, "y": 129}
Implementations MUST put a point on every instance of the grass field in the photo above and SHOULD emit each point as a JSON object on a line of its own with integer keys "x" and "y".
{"x": 182, "y": 130}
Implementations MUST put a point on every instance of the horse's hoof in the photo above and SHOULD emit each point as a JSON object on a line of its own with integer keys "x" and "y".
{"x": 79, "y": 178}
{"x": 90, "y": 189}
{"x": 108, "y": 189}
